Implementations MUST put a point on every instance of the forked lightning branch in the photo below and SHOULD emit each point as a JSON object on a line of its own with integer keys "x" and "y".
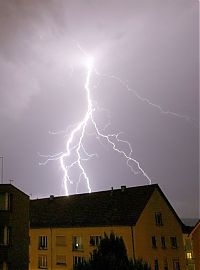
{"x": 78, "y": 133}
{"x": 75, "y": 139}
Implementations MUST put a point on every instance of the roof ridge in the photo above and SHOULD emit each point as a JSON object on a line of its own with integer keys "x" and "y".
{"x": 95, "y": 192}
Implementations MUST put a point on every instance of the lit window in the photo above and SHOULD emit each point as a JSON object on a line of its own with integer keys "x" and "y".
{"x": 77, "y": 260}
{"x": 95, "y": 240}
{"x": 5, "y": 201}
{"x": 61, "y": 260}
{"x": 163, "y": 244}
{"x": 189, "y": 255}
{"x": 176, "y": 264}
{"x": 77, "y": 243}
{"x": 156, "y": 265}
{"x": 60, "y": 240}
{"x": 153, "y": 241}
{"x": 42, "y": 261}
{"x": 4, "y": 235}
{"x": 42, "y": 242}
{"x": 158, "y": 219}
{"x": 3, "y": 266}
{"x": 173, "y": 241}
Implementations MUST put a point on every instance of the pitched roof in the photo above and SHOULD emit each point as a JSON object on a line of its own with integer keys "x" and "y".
{"x": 104, "y": 208}
{"x": 195, "y": 227}
{"x": 187, "y": 229}
{"x": 10, "y": 188}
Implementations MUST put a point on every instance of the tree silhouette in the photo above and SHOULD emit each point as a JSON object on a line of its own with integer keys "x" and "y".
{"x": 111, "y": 254}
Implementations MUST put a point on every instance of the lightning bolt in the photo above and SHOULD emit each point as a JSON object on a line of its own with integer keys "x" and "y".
{"x": 144, "y": 99}
{"x": 77, "y": 133}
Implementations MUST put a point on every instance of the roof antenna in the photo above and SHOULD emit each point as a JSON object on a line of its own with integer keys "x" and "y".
{"x": 2, "y": 161}
{"x": 11, "y": 180}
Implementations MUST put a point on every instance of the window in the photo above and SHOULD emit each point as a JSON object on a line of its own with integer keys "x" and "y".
{"x": 163, "y": 242}
{"x": 173, "y": 241}
{"x": 77, "y": 260}
{"x": 189, "y": 255}
{"x": 165, "y": 264}
{"x": 176, "y": 264}
{"x": 4, "y": 235}
{"x": 5, "y": 201}
{"x": 3, "y": 266}
{"x": 156, "y": 266}
{"x": 188, "y": 244}
{"x": 153, "y": 241}
{"x": 42, "y": 242}
{"x": 42, "y": 261}
{"x": 60, "y": 240}
{"x": 158, "y": 219}
{"x": 77, "y": 243}
{"x": 61, "y": 260}
{"x": 95, "y": 240}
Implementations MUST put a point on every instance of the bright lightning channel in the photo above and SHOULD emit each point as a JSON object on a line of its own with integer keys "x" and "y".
{"x": 79, "y": 130}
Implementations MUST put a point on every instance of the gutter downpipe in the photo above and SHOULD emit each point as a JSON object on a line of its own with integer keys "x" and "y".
{"x": 133, "y": 245}
{"x": 51, "y": 246}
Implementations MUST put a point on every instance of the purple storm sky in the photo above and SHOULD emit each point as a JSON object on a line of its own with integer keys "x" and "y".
{"x": 151, "y": 45}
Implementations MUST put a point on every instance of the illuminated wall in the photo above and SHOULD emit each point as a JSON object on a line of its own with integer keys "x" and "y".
{"x": 156, "y": 237}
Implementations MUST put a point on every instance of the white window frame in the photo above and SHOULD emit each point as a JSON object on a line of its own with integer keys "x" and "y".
{"x": 95, "y": 240}
{"x": 77, "y": 260}
{"x": 42, "y": 261}
{"x": 43, "y": 242}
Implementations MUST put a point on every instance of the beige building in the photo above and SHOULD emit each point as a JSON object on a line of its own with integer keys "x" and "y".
{"x": 65, "y": 230}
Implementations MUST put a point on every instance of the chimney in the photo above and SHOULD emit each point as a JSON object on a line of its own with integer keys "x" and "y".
{"x": 123, "y": 188}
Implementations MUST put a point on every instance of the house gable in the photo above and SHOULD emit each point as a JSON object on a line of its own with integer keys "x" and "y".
{"x": 150, "y": 232}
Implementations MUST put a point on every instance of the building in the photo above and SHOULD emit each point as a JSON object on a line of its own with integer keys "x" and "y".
{"x": 188, "y": 247}
{"x": 195, "y": 237}
{"x": 191, "y": 237}
{"x": 14, "y": 228}
{"x": 65, "y": 230}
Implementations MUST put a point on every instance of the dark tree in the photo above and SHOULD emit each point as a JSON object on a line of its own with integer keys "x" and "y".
{"x": 111, "y": 255}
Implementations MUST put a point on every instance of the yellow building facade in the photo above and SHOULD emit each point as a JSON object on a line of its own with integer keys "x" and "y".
{"x": 142, "y": 216}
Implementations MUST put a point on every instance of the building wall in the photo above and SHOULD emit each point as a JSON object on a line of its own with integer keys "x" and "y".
{"x": 14, "y": 252}
{"x": 138, "y": 240}
{"x": 189, "y": 254}
{"x": 53, "y": 249}
{"x": 195, "y": 236}
{"x": 146, "y": 228}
